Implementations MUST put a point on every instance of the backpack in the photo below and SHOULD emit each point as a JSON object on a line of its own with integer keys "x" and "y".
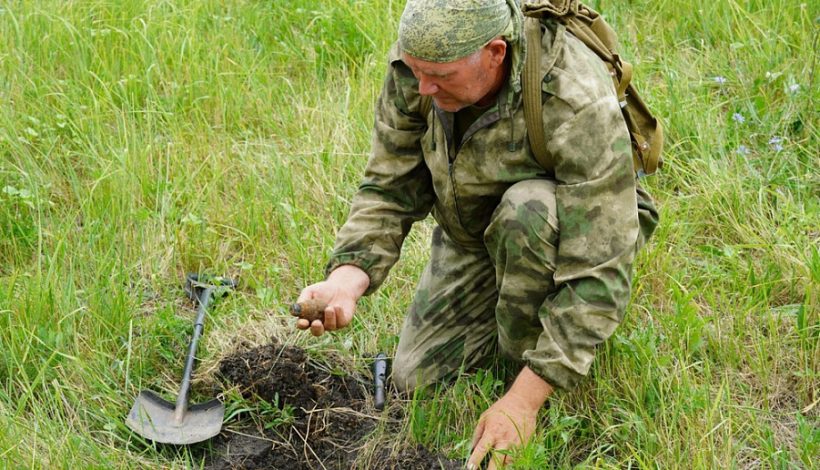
{"x": 590, "y": 28}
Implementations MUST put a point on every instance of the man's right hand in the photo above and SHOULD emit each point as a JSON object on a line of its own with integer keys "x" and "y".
{"x": 340, "y": 291}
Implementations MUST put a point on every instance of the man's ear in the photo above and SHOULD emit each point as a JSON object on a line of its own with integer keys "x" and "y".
{"x": 498, "y": 51}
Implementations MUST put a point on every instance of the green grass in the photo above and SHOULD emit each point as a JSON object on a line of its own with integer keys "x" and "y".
{"x": 140, "y": 140}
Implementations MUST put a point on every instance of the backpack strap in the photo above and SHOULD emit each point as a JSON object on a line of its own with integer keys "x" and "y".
{"x": 534, "y": 68}
{"x": 531, "y": 83}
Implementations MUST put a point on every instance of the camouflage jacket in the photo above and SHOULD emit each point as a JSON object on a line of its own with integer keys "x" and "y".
{"x": 415, "y": 168}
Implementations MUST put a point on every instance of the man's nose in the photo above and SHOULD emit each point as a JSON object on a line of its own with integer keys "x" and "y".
{"x": 427, "y": 86}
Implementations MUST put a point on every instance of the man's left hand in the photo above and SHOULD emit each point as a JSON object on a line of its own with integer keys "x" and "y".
{"x": 509, "y": 422}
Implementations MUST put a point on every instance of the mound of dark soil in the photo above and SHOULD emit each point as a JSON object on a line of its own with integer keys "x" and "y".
{"x": 413, "y": 458}
{"x": 274, "y": 370}
{"x": 330, "y": 419}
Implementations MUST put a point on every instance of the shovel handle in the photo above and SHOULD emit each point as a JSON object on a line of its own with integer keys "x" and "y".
{"x": 203, "y": 299}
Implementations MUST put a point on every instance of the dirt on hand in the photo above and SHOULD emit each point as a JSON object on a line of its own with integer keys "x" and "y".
{"x": 330, "y": 419}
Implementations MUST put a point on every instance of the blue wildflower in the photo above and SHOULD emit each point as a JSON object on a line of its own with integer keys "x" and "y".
{"x": 738, "y": 118}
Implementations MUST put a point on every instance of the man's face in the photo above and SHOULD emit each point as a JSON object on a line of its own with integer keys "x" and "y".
{"x": 455, "y": 85}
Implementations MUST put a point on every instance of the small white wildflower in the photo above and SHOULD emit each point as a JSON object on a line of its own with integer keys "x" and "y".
{"x": 738, "y": 118}
{"x": 794, "y": 88}
{"x": 720, "y": 80}
{"x": 742, "y": 150}
{"x": 776, "y": 143}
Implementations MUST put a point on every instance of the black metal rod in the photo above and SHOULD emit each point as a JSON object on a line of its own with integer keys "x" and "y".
{"x": 379, "y": 377}
{"x": 203, "y": 299}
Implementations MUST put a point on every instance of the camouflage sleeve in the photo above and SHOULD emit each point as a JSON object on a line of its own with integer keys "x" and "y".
{"x": 598, "y": 230}
{"x": 396, "y": 189}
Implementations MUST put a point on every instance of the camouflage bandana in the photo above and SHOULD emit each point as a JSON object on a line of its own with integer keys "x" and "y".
{"x": 448, "y": 30}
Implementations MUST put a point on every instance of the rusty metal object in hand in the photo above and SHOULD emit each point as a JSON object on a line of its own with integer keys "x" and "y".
{"x": 309, "y": 310}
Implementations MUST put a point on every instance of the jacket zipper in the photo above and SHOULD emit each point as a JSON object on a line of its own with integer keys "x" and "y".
{"x": 448, "y": 150}
{"x": 448, "y": 138}
{"x": 455, "y": 193}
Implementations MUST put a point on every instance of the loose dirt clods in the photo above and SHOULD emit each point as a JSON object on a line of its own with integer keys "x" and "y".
{"x": 330, "y": 417}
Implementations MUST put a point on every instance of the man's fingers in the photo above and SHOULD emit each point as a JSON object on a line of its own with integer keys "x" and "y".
{"x": 499, "y": 459}
{"x": 330, "y": 318}
{"x": 341, "y": 319}
{"x": 479, "y": 431}
{"x": 317, "y": 328}
{"x": 491, "y": 465}
{"x": 479, "y": 451}
{"x": 302, "y": 324}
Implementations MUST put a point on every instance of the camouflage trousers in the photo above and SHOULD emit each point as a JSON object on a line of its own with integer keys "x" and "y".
{"x": 473, "y": 303}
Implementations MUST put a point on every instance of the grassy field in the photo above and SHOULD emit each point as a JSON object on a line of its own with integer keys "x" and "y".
{"x": 142, "y": 139}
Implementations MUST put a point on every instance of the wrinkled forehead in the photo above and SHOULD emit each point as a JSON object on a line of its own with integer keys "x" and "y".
{"x": 448, "y": 30}
{"x": 438, "y": 69}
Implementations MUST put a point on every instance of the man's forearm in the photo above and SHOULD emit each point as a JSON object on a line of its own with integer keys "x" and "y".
{"x": 530, "y": 388}
{"x": 352, "y": 277}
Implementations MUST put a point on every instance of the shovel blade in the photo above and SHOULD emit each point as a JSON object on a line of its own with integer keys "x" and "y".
{"x": 153, "y": 418}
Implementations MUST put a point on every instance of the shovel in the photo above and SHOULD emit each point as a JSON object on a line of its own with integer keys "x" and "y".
{"x": 176, "y": 423}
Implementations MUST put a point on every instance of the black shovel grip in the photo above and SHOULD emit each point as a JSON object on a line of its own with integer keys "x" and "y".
{"x": 379, "y": 378}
